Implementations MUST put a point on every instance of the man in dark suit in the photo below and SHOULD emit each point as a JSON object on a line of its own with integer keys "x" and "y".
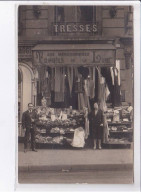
{"x": 28, "y": 122}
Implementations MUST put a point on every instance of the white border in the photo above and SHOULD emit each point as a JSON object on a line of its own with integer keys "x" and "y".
{"x": 8, "y": 60}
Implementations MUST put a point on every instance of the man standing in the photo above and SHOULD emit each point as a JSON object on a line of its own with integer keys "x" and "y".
{"x": 28, "y": 122}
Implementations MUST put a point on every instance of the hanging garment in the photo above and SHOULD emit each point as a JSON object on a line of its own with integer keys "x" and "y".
{"x": 70, "y": 78}
{"x": 44, "y": 102}
{"x": 87, "y": 131}
{"x": 112, "y": 75}
{"x": 81, "y": 101}
{"x": 118, "y": 70}
{"x": 79, "y": 138}
{"x": 79, "y": 84}
{"x": 57, "y": 79}
{"x": 99, "y": 83}
{"x": 59, "y": 96}
{"x": 90, "y": 72}
{"x": 86, "y": 94}
{"x": 116, "y": 90}
{"x": 107, "y": 92}
{"x": 87, "y": 87}
{"x": 91, "y": 89}
{"x": 105, "y": 129}
{"x": 52, "y": 79}
{"x": 93, "y": 76}
{"x": 101, "y": 92}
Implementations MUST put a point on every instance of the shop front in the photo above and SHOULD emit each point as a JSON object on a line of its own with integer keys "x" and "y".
{"x": 68, "y": 79}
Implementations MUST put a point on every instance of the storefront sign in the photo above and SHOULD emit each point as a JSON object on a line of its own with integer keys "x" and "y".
{"x": 74, "y": 27}
{"x": 74, "y": 57}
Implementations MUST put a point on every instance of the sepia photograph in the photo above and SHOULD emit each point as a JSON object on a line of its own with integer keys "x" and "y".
{"x": 75, "y": 94}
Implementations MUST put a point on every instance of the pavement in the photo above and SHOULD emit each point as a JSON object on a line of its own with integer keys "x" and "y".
{"x": 74, "y": 160}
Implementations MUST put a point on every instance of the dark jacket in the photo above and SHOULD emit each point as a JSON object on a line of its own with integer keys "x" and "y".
{"x": 96, "y": 119}
{"x": 26, "y": 119}
{"x": 95, "y": 122}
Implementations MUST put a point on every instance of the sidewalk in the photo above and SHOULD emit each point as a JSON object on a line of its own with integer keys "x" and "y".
{"x": 75, "y": 160}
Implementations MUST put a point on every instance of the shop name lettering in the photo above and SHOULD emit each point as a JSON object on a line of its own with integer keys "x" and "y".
{"x": 72, "y": 28}
{"x": 62, "y": 57}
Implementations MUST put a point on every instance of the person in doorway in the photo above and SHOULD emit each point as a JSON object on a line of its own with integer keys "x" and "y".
{"x": 96, "y": 124}
{"x": 29, "y": 118}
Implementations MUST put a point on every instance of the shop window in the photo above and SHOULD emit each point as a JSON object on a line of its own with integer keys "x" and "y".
{"x": 59, "y": 14}
{"x": 86, "y": 14}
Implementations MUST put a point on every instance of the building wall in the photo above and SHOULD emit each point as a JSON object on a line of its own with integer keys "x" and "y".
{"x": 39, "y": 28}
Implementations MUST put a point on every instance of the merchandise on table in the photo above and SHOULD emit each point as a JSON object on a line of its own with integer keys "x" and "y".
{"x": 66, "y": 122}
{"x": 119, "y": 114}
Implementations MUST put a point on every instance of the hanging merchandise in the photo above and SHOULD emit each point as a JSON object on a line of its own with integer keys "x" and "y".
{"x": 57, "y": 84}
{"x": 52, "y": 79}
{"x": 57, "y": 79}
{"x": 86, "y": 94}
{"x": 105, "y": 129}
{"x": 112, "y": 75}
{"x": 93, "y": 76}
{"x": 62, "y": 85}
{"x": 92, "y": 83}
{"x": 86, "y": 123}
{"x": 118, "y": 70}
{"x": 44, "y": 102}
{"x": 90, "y": 73}
{"x": 70, "y": 78}
{"x": 79, "y": 84}
{"x": 91, "y": 89}
{"x": 102, "y": 93}
{"x": 81, "y": 101}
{"x": 107, "y": 92}
{"x": 115, "y": 74}
{"x": 59, "y": 95}
{"x": 116, "y": 88}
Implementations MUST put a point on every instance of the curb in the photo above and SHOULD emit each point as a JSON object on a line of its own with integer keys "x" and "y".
{"x": 76, "y": 168}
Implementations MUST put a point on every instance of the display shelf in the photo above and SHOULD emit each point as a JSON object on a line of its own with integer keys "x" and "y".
{"x": 120, "y": 131}
{"x": 120, "y": 123}
{"x": 118, "y": 143}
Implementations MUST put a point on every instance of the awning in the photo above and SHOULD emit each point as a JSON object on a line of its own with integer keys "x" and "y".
{"x": 46, "y": 47}
{"x": 74, "y": 55}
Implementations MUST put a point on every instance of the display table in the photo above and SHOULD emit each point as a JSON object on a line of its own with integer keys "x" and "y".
{"x": 58, "y": 131}
{"x": 120, "y": 130}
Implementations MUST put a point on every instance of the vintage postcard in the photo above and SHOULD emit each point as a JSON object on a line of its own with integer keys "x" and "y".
{"x": 75, "y": 94}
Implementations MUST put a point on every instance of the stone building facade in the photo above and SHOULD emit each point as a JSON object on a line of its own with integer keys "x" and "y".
{"x": 108, "y": 27}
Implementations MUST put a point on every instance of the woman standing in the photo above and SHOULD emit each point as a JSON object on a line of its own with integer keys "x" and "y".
{"x": 96, "y": 124}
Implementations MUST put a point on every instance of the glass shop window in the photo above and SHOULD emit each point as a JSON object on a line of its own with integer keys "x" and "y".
{"x": 59, "y": 14}
{"x": 86, "y": 14}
